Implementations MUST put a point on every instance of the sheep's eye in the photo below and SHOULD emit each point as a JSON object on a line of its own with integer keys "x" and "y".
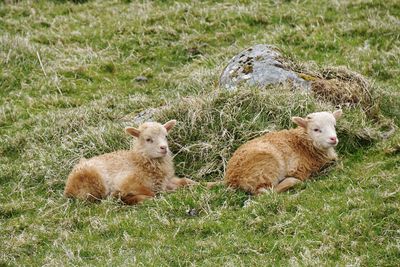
{"x": 317, "y": 130}
{"x": 149, "y": 140}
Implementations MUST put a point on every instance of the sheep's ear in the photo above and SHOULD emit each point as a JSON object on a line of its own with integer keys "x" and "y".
{"x": 132, "y": 131}
{"x": 300, "y": 121}
{"x": 337, "y": 114}
{"x": 169, "y": 125}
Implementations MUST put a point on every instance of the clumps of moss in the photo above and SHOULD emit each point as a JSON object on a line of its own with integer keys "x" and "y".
{"x": 337, "y": 85}
{"x": 337, "y": 91}
{"x": 343, "y": 87}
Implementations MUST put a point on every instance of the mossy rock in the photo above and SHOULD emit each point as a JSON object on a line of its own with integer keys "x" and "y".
{"x": 259, "y": 65}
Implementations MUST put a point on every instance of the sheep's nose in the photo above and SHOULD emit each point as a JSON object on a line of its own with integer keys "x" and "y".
{"x": 333, "y": 139}
{"x": 163, "y": 147}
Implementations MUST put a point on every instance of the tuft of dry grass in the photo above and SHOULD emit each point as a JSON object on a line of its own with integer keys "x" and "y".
{"x": 338, "y": 85}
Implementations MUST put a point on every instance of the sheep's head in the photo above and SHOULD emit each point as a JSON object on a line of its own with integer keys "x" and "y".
{"x": 152, "y": 138}
{"x": 320, "y": 127}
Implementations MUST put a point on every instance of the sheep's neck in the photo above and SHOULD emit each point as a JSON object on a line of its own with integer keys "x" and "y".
{"x": 320, "y": 157}
{"x": 159, "y": 169}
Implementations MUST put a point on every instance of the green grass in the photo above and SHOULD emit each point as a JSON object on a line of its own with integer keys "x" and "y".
{"x": 76, "y": 103}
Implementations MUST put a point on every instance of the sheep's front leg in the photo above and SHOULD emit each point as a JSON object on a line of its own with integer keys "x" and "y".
{"x": 175, "y": 182}
{"x": 286, "y": 184}
{"x": 130, "y": 199}
{"x": 134, "y": 194}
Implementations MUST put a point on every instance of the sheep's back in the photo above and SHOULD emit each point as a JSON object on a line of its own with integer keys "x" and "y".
{"x": 112, "y": 167}
{"x": 301, "y": 157}
{"x": 257, "y": 163}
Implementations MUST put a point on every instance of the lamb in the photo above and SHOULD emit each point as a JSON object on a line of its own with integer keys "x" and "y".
{"x": 132, "y": 175}
{"x": 279, "y": 160}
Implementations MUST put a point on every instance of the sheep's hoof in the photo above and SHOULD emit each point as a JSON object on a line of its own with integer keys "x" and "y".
{"x": 286, "y": 184}
{"x": 189, "y": 182}
{"x": 262, "y": 190}
{"x": 210, "y": 185}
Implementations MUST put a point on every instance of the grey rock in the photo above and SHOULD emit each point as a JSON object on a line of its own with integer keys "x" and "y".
{"x": 259, "y": 65}
{"x": 192, "y": 212}
{"x": 141, "y": 79}
{"x": 145, "y": 115}
{"x": 148, "y": 114}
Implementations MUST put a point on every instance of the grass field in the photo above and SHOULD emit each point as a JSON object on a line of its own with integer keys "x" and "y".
{"x": 67, "y": 89}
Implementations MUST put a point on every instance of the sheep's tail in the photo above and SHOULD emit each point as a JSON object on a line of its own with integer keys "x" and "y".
{"x": 210, "y": 185}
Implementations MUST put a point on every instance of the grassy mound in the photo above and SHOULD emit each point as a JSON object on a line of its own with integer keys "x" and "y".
{"x": 212, "y": 126}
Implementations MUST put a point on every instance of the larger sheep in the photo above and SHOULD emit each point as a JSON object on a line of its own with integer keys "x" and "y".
{"x": 279, "y": 160}
{"x": 132, "y": 175}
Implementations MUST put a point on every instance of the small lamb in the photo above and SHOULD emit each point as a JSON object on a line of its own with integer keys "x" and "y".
{"x": 132, "y": 175}
{"x": 279, "y": 160}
